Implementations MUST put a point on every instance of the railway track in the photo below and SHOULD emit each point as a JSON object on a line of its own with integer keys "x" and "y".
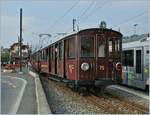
{"x": 130, "y": 105}
{"x": 109, "y": 103}
{"x": 107, "y": 107}
{"x": 116, "y": 105}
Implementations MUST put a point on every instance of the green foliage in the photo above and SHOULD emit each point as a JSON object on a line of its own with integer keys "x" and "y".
{"x": 5, "y": 57}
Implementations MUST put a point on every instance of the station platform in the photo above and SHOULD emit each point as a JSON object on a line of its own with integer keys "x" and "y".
{"x": 142, "y": 94}
{"x": 130, "y": 94}
{"x": 31, "y": 95}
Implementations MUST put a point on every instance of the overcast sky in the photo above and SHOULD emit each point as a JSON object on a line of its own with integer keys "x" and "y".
{"x": 55, "y": 16}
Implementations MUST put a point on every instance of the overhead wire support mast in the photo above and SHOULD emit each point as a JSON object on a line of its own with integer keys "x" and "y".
{"x": 61, "y": 17}
{"x": 74, "y": 20}
{"x": 78, "y": 19}
{"x": 20, "y": 41}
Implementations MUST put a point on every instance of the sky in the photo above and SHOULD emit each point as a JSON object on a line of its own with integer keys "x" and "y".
{"x": 55, "y": 16}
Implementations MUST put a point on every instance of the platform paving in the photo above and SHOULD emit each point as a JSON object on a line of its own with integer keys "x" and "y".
{"x": 28, "y": 103}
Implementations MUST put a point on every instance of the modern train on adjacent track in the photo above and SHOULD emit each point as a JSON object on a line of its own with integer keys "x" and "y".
{"x": 135, "y": 61}
{"x": 88, "y": 58}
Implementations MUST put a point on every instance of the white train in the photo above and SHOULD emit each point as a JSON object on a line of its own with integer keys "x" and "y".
{"x": 135, "y": 61}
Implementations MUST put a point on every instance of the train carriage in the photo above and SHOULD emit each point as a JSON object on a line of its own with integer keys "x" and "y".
{"x": 136, "y": 62}
{"x": 90, "y": 57}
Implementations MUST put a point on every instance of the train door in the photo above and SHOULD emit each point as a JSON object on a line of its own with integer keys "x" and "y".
{"x": 138, "y": 63}
{"x": 87, "y": 61}
{"x": 65, "y": 57}
{"x": 56, "y": 58}
{"x": 49, "y": 59}
{"x": 60, "y": 59}
{"x": 101, "y": 61}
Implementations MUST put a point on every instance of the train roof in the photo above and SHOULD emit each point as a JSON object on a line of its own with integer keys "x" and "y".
{"x": 134, "y": 37}
{"x": 97, "y": 29}
{"x": 75, "y": 33}
{"x": 141, "y": 40}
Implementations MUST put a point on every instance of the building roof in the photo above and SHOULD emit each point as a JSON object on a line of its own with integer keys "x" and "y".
{"x": 16, "y": 44}
{"x": 134, "y": 38}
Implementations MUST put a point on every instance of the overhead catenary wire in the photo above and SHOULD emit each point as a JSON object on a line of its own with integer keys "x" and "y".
{"x": 85, "y": 11}
{"x": 95, "y": 9}
{"x": 131, "y": 18}
{"x": 79, "y": 18}
{"x": 62, "y": 16}
{"x": 56, "y": 21}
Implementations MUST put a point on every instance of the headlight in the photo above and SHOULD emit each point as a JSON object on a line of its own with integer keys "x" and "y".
{"x": 85, "y": 66}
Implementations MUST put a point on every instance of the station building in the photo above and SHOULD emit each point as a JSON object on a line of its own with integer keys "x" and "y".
{"x": 15, "y": 53}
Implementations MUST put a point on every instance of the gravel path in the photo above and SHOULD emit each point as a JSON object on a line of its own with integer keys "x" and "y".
{"x": 66, "y": 101}
{"x": 63, "y": 100}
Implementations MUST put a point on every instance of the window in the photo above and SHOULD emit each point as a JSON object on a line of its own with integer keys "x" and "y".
{"x": 87, "y": 47}
{"x": 44, "y": 56}
{"x": 71, "y": 48}
{"x": 46, "y": 53}
{"x": 116, "y": 46}
{"x": 101, "y": 47}
{"x": 60, "y": 50}
{"x": 138, "y": 61}
{"x": 128, "y": 58}
{"x": 110, "y": 48}
{"x": 147, "y": 51}
{"x": 53, "y": 52}
{"x": 49, "y": 52}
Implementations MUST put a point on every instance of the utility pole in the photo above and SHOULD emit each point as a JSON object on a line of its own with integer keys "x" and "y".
{"x": 20, "y": 42}
{"x": 135, "y": 25}
{"x": 74, "y": 20}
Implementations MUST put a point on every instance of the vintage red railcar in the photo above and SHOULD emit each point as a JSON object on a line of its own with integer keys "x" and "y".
{"x": 90, "y": 57}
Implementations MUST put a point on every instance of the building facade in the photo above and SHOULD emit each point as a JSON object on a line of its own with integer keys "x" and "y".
{"x": 15, "y": 53}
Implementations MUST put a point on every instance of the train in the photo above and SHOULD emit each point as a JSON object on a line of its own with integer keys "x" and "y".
{"x": 89, "y": 58}
{"x": 135, "y": 61}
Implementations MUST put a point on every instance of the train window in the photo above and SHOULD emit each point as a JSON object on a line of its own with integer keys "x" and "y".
{"x": 87, "y": 47}
{"x": 49, "y": 52}
{"x": 147, "y": 51}
{"x": 138, "y": 61}
{"x": 46, "y": 53}
{"x": 53, "y": 52}
{"x": 101, "y": 48}
{"x": 71, "y": 48}
{"x": 128, "y": 58}
{"x": 110, "y": 48}
{"x": 42, "y": 54}
{"x": 60, "y": 50}
{"x": 116, "y": 46}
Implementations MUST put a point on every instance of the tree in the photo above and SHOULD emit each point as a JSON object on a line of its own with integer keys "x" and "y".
{"x": 5, "y": 57}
